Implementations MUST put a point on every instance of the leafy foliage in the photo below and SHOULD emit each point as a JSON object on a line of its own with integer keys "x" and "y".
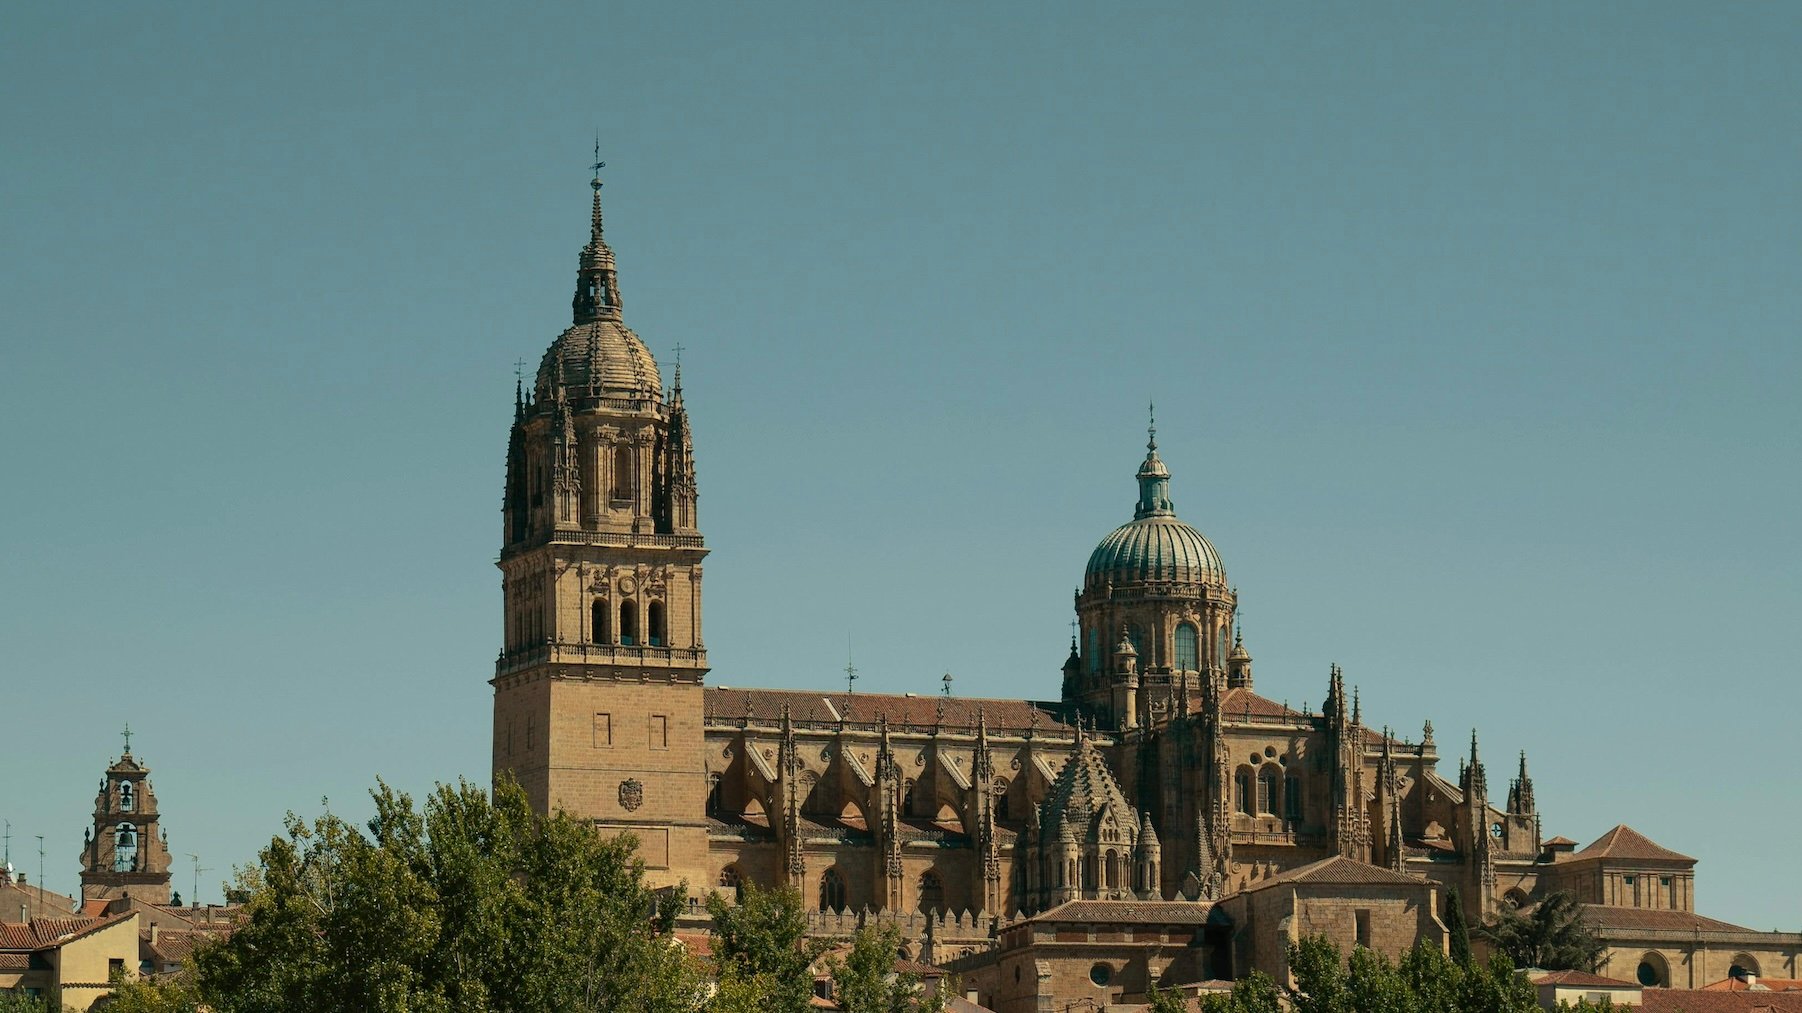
{"x": 1552, "y": 936}
{"x": 1460, "y": 929}
{"x": 866, "y": 981}
{"x": 1423, "y": 981}
{"x": 18, "y": 1002}
{"x": 132, "y": 994}
{"x": 764, "y": 955}
{"x": 469, "y": 905}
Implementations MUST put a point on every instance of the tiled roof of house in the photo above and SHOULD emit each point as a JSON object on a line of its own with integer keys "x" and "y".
{"x": 1581, "y": 979}
{"x": 1134, "y": 912}
{"x": 175, "y": 947}
{"x": 1677, "y": 1000}
{"x": 1239, "y": 702}
{"x": 42, "y": 933}
{"x": 1626, "y": 843}
{"x": 1648, "y": 919}
{"x": 1338, "y": 869}
{"x": 865, "y": 708}
{"x": 1561, "y": 842}
{"x": 1763, "y": 985}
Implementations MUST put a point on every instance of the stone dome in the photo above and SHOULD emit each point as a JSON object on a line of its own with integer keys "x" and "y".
{"x": 1154, "y": 545}
{"x": 604, "y": 352}
{"x": 1157, "y": 548}
{"x": 1085, "y": 801}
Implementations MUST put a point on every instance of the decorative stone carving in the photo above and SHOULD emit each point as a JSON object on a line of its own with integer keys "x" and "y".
{"x": 631, "y": 794}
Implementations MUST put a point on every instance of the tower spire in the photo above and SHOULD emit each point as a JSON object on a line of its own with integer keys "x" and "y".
{"x": 1154, "y": 478}
{"x": 597, "y": 284}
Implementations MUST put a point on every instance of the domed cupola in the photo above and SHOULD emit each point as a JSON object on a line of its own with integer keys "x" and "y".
{"x": 598, "y": 356}
{"x": 1155, "y": 546}
{"x": 1161, "y": 582}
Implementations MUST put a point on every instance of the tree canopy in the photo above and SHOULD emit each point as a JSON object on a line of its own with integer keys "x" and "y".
{"x": 1425, "y": 980}
{"x": 471, "y": 904}
{"x": 760, "y": 944}
{"x": 1552, "y": 936}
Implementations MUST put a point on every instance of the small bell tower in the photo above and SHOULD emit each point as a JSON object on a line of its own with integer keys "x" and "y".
{"x": 125, "y": 853}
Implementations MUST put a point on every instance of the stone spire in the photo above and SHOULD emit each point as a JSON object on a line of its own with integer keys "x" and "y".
{"x": 597, "y": 283}
{"x": 1520, "y": 793}
{"x": 1154, "y": 479}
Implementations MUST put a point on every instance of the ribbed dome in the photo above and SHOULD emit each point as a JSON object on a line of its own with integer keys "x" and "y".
{"x": 605, "y": 350}
{"x": 1154, "y": 545}
{"x": 1157, "y": 548}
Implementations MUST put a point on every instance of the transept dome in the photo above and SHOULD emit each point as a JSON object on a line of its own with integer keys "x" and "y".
{"x": 1154, "y": 545}
{"x": 601, "y": 353}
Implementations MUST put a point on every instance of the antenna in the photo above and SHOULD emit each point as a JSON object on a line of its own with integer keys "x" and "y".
{"x": 194, "y": 898}
{"x": 8, "y": 838}
{"x": 40, "y": 894}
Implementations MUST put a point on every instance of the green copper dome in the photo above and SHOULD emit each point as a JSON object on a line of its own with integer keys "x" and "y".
{"x": 1155, "y": 546}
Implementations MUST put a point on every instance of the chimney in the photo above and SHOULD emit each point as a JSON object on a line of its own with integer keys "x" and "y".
{"x": 154, "y": 932}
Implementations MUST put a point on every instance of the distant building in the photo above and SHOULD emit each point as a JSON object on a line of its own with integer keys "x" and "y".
{"x": 125, "y": 853}
{"x": 69, "y": 961}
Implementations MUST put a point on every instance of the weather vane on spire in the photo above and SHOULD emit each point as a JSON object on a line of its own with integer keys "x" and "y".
{"x": 850, "y": 673}
{"x": 598, "y": 164}
{"x": 127, "y": 734}
{"x": 1151, "y": 442}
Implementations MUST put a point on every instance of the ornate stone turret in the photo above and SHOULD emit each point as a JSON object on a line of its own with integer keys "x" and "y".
{"x": 1238, "y": 663}
{"x": 1474, "y": 827}
{"x": 125, "y": 853}
{"x": 1520, "y": 792}
{"x": 601, "y": 584}
{"x": 1088, "y": 839}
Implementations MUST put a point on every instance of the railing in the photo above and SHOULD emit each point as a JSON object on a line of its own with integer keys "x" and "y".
{"x": 597, "y": 654}
{"x": 628, "y": 539}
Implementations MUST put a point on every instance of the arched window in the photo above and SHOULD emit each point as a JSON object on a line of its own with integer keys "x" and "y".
{"x": 654, "y": 622}
{"x": 1242, "y": 791}
{"x": 932, "y": 892}
{"x": 1653, "y": 972}
{"x": 1113, "y": 870}
{"x": 1188, "y": 649}
{"x": 125, "y": 799}
{"x": 1267, "y": 797}
{"x": 1000, "y": 792}
{"x": 125, "y": 848}
{"x": 713, "y": 795}
{"x": 832, "y": 890}
{"x": 622, "y": 473}
{"x": 907, "y": 799}
{"x": 1743, "y": 967}
{"x": 1089, "y": 873}
{"x": 598, "y": 632}
{"x": 1292, "y": 798}
{"x": 1094, "y": 651}
{"x": 628, "y": 623}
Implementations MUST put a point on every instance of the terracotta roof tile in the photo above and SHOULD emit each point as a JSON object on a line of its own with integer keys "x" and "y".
{"x": 1764, "y": 984}
{"x": 1237, "y": 702}
{"x": 865, "y": 708}
{"x": 1338, "y": 869}
{"x": 1137, "y": 912}
{"x": 1635, "y": 918}
{"x": 1560, "y": 842}
{"x": 1624, "y": 842}
{"x": 1581, "y": 978}
{"x": 1674, "y": 1000}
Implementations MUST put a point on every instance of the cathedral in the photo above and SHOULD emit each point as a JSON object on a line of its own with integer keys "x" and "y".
{"x": 1158, "y": 786}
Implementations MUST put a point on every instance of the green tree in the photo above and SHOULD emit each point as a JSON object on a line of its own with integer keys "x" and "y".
{"x": 473, "y": 904}
{"x": 132, "y": 994}
{"x": 1552, "y": 936}
{"x": 1460, "y": 930}
{"x": 764, "y": 955}
{"x": 1423, "y": 981}
{"x": 18, "y": 1002}
{"x": 866, "y": 980}
{"x": 1255, "y": 993}
{"x": 1158, "y": 1000}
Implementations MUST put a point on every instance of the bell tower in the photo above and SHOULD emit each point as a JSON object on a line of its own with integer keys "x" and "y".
{"x": 124, "y": 854}
{"x": 597, "y": 690}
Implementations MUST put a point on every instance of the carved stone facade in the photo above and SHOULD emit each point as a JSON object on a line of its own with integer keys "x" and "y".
{"x": 1158, "y": 776}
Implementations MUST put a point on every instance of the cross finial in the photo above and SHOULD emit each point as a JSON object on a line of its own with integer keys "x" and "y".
{"x": 1151, "y": 431}
{"x": 850, "y": 676}
{"x": 598, "y": 164}
{"x": 127, "y": 734}
{"x": 678, "y": 365}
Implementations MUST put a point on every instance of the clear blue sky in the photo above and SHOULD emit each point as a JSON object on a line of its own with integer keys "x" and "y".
{"x": 1472, "y": 329}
